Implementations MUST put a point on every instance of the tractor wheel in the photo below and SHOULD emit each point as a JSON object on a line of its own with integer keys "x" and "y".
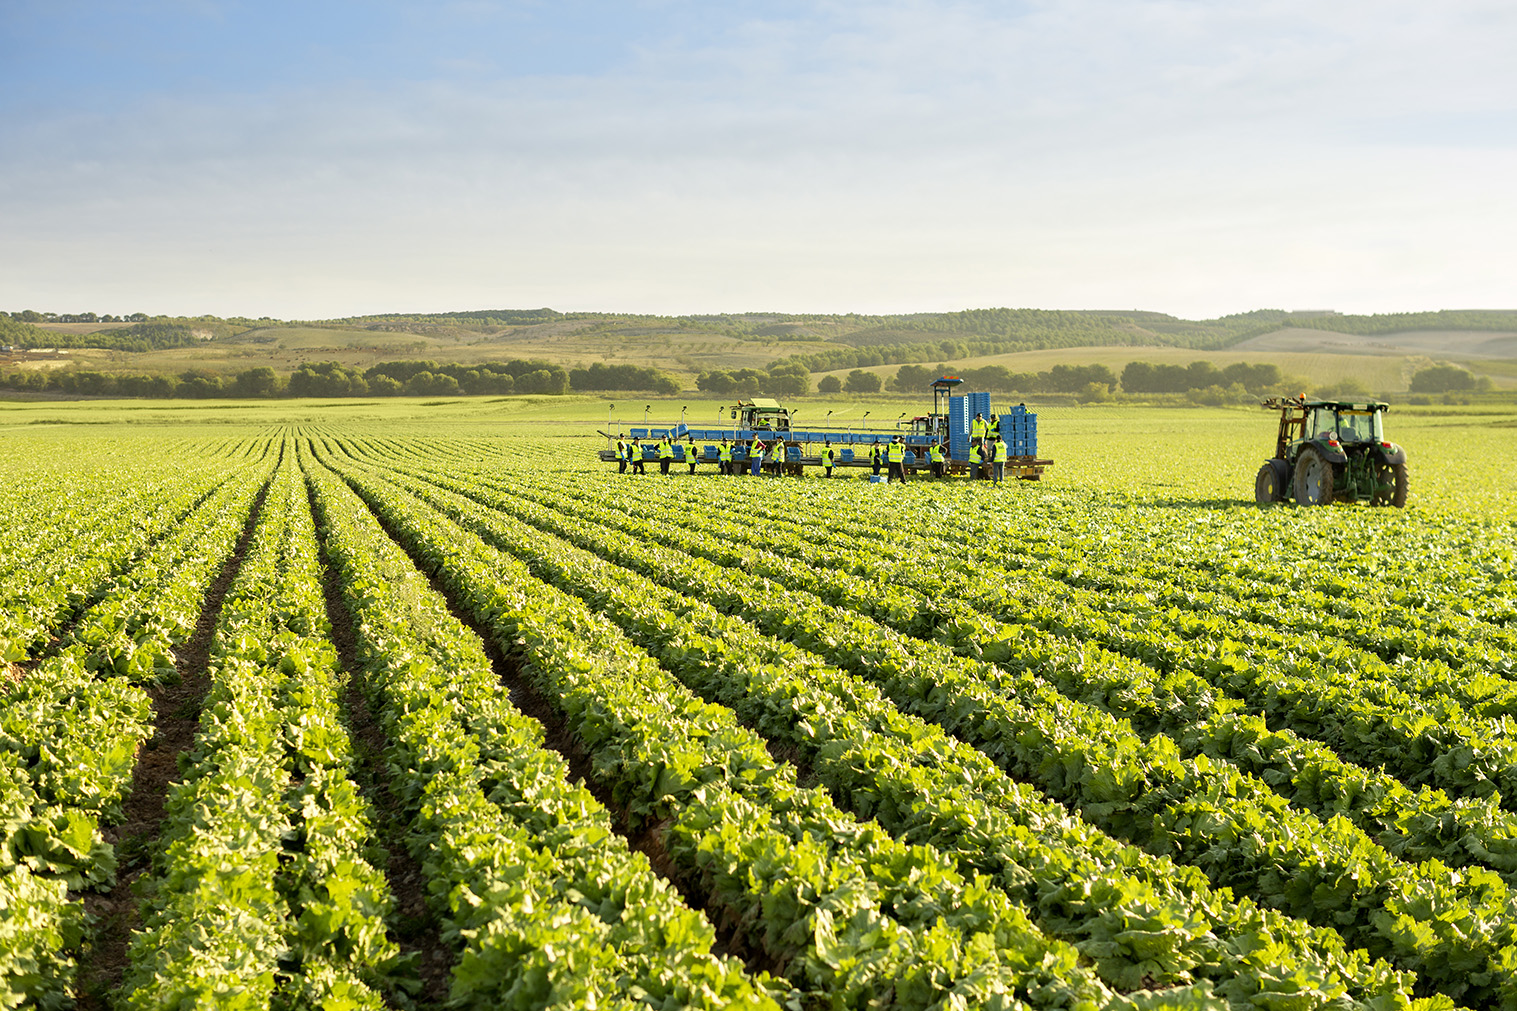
{"x": 1269, "y": 486}
{"x": 1395, "y": 476}
{"x": 1314, "y": 479}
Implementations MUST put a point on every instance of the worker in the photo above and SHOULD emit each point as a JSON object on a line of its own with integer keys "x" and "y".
{"x": 997, "y": 460}
{"x": 876, "y": 458}
{"x": 993, "y": 429}
{"x": 665, "y": 455}
{"x": 724, "y": 457}
{"x": 977, "y": 429}
{"x": 692, "y": 454}
{"x": 635, "y": 453}
{"x": 756, "y": 457}
{"x": 828, "y": 455}
{"x": 895, "y": 455}
{"x": 938, "y": 458}
{"x": 775, "y": 458}
{"x": 621, "y": 455}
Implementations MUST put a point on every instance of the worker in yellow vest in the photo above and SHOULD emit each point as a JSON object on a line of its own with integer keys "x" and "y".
{"x": 997, "y": 461}
{"x": 828, "y": 456}
{"x": 692, "y": 453}
{"x": 665, "y": 455}
{"x": 977, "y": 429}
{"x": 724, "y": 457}
{"x": 635, "y": 454}
{"x": 895, "y": 455}
{"x": 621, "y": 455}
{"x": 756, "y": 457}
{"x": 938, "y": 459}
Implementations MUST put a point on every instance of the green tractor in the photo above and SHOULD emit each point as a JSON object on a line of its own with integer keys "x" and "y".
{"x": 1329, "y": 451}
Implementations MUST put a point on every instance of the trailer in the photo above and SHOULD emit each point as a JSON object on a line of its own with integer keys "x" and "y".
{"x": 767, "y": 423}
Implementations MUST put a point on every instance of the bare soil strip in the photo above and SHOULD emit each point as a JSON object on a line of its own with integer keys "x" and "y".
{"x": 176, "y": 716}
{"x": 415, "y": 929}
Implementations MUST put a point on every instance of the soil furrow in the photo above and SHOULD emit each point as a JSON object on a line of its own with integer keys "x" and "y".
{"x": 176, "y": 716}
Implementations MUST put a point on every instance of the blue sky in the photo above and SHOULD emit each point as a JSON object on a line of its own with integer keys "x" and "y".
{"x": 326, "y": 158}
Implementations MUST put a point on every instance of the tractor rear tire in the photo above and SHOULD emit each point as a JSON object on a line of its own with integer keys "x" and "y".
{"x": 1269, "y": 486}
{"x": 1314, "y": 479}
{"x": 1400, "y": 480}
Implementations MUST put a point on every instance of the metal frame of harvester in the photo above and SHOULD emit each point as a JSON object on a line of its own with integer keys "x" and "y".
{"x": 765, "y": 420}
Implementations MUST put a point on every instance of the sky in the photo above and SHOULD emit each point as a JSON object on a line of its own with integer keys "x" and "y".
{"x": 327, "y": 158}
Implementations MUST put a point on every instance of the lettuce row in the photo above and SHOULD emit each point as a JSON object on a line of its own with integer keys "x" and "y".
{"x": 1452, "y": 928}
{"x": 844, "y": 910}
{"x": 548, "y": 906}
{"x": 1141, "y": 918}
{"x": 988, "y": 620}
{"x": 266, "y": 893}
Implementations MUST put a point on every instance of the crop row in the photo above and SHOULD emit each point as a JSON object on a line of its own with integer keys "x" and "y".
{"x": 927, "y": 598}
{"x": 81, "y": 544}
{"x": 70, "y": 730}
{"x": 265, "y": 887}
{"x": 1327, "y": 871}
{"x": 1470, "y": 592}
{"x": 1140, "y": 917}
{"x": 1352, "y": 703}
{"x": 840, "y": 909}
{"x": 546, "y": 904}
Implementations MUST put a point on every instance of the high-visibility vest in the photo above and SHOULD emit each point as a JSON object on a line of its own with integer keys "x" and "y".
{"x": 977, "y": 428}
{"x": 621, "y": 450}
{"x": 724, "y": 453}
{"x": 998, "y": 452}
{"x": 827, "y": 455}
{"x": 896, "y": 452}
{"x": 665, "y": 451}
{"x": 935, "y": 454}
{"x": 692, "y": 452}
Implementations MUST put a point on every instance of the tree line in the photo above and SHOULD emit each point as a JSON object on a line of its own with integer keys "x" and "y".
{"x": 333, "y": 379}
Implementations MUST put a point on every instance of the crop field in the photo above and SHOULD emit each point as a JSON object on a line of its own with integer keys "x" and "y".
{"x": 328, "y": 707}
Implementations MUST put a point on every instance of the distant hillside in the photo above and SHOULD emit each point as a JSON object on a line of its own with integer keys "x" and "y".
{"x": 687, "y": 347}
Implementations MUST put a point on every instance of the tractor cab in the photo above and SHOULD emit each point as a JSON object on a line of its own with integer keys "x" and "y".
{"x": 761, "y": 414}
{"x": 1347, "y": 423}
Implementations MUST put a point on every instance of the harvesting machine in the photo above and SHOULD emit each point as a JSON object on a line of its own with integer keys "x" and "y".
{"x": 766, "y": 421}
{"x": 1331, "y": 451}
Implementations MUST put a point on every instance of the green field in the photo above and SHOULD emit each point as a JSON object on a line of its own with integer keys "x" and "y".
{"x": 405, "y": 703}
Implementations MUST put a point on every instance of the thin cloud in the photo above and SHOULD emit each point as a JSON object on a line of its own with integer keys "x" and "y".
{"x": 1190, "y": 157}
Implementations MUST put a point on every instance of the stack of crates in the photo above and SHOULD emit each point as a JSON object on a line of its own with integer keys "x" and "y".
{"x": 958, "y": 428}
{"x": 1019, "y": 430}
